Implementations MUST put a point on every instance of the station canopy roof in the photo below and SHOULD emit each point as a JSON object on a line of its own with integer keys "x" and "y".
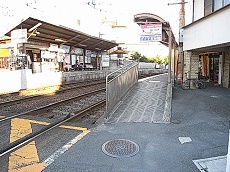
{"x": 43, "y": 32}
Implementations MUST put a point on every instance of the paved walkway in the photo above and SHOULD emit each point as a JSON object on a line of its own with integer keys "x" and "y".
{"x": 147, "y": 101}
{"x": 199, "y": 129}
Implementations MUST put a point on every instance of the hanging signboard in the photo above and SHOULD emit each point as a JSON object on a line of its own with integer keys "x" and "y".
{"x": 88, "y": 56}
{"x": 105, "y": 61}
{"x": 65, "y": 48}
{"x": 151, "y": 33}
{"x": 19, "y": 36}
{"x": 77, "y": 51}
{"x": 93, "y": 54}
{"x": 53, "y": 47}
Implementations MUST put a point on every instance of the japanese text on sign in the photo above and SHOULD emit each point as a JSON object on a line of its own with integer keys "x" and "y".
{"x": 151, "y": 33}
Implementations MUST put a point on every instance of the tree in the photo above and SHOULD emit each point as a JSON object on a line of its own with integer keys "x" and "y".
{"x": 138, "y": 57}
{"x": 157, "y": 59}
{"x": 135, "y": 56}
{"x": 143, "y": 59}
{"x": 166, "y": 60}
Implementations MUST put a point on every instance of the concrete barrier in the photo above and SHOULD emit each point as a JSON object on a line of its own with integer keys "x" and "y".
{"x": 13, "y": 81}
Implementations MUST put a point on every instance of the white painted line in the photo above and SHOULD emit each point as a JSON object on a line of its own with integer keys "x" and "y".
{"x": 64, "y": 148}
{"x": 214, "y": 164}
{"x": 155, "y": 76}
{"x": 214, "y": 96}
{"x": 154, "y": 81}
{"x": 184, "y": 139}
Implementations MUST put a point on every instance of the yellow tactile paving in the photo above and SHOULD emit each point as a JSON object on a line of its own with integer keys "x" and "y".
{"x": 26, "y": 158}
{"x": 19, "y": 128}
{"x": 61, "y": 126}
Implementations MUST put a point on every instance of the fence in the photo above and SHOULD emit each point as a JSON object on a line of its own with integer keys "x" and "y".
{"x": 119, "y": 82}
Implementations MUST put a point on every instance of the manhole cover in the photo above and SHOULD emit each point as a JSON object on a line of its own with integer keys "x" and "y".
{"x": 120, "y": 148}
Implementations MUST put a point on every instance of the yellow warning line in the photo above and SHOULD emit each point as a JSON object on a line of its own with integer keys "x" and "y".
{"x": 73, "y": 128}
{"x": 62, "y": 126}
{"x": 22, "y": 159}
{"x": 19, "y": 128}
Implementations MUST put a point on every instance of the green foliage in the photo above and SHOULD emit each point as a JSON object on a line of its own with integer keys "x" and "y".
{"x": 135, "y": 56}
{"x": 165, "y": 60}
{"x": 141, "y": 58}
{"x": 158, "y": 59}
{"x": 138, "y": 57}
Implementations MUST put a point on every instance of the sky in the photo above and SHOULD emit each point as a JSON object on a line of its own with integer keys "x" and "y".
{"x": 94, "y": 18}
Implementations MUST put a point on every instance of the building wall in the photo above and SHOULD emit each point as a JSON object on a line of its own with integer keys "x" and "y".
{"x": 226, "y": 71}
{"x": 191, "y": 61}
{"x": 187, "y": 57}
{"x": 211, "y": 30}
{"x": 191, "y": 65}
{"x": 24, "y": 79}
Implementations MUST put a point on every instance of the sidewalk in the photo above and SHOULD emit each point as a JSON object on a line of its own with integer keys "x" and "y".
{"x": 197, "y": 128}
{"x": 148, "y": 101}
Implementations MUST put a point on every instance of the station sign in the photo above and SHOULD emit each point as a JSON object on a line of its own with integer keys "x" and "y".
{"x": 151, "y": 33}
{"x": 105, "y": 60}
{"x": 53, "y": 47}
{"x": 77, "y": 51}
{"x": 19, "y": 36}
{"x": 65, "y": 48}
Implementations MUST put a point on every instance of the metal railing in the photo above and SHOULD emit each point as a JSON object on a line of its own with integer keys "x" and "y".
{"x": 118, "y": 83}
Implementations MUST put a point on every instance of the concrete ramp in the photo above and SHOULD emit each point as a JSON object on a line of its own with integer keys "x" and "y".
{"x": 147, "y": 101}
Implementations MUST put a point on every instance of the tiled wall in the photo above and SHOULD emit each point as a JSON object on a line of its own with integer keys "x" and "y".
{"x": 226, "y": 71}
{"x": 191, "y": 63}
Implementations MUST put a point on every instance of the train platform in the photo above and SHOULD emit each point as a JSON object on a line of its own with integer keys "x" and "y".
{"x": 156, "y": 127}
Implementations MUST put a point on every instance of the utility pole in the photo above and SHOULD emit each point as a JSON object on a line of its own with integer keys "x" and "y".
{"x": 182, "y": 15}
{"x": 180, "y": 61}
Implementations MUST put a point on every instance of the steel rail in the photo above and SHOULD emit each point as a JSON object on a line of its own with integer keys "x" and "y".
{"x": 35, "y": 96}
{"x": 51, "y": 104}
{"x": 19, "y": 143}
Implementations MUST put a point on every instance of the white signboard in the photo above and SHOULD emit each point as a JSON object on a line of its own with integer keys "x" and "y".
{"x": 151, "y": 33}
{"x": 77, "y": 51}
{"x": 19, "y": 36}
{"x": 65, "y": 48}
{"x": 53, "y": 47}
{"x": 105, "y": 61}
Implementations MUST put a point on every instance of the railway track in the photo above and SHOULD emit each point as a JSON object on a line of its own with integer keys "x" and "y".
{"x": 74, "y": 108}
{"x": 17, "y": 97}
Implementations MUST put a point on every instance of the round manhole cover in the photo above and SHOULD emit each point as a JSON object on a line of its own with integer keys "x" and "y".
{"x": 120, "y": 148}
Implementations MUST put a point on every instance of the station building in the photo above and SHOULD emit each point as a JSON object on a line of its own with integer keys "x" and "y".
{"x": 35, "y": 46}
{"x": 42, "y": 41}
{"x": 206, "y": 42}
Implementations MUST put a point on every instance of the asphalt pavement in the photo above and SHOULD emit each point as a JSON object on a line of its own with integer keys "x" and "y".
{"x": 198, "y": 129}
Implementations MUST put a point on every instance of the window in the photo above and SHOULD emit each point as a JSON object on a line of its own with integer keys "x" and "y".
{"x": 213, "y": 5}
{"x": 207, "y": 7}
{"x": 226, "y": 2}
{"x": 217, "y": 4}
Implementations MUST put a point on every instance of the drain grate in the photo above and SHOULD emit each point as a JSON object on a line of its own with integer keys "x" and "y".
{"x": 120, "y": 148}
